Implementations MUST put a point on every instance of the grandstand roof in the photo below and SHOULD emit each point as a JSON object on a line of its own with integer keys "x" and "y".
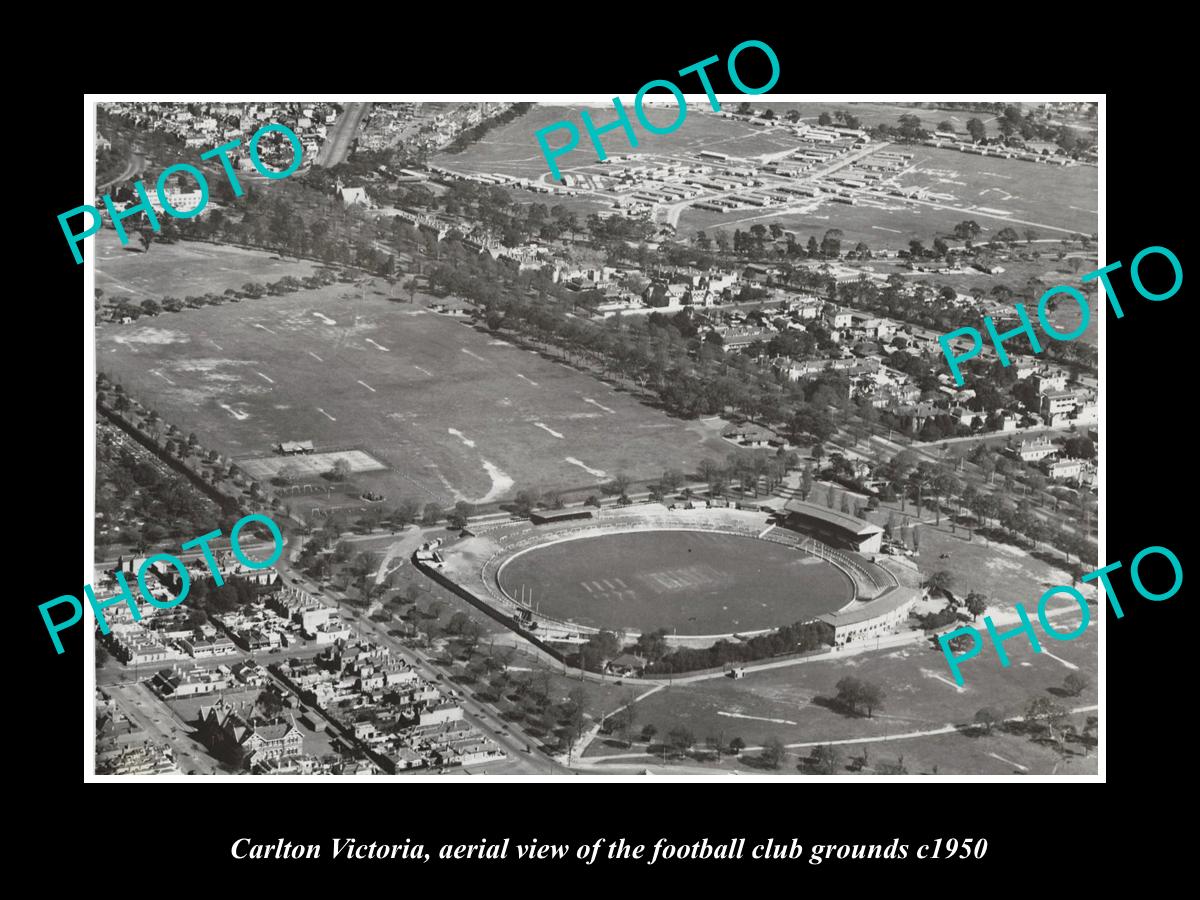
{"x": 853, "y": 524}
{"x": 881, "y": 605}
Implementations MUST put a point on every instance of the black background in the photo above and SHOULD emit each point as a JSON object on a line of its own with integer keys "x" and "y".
{"x": 173, "y": 833}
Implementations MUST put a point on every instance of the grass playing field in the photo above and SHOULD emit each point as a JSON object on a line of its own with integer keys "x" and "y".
{"x": 512, "y": 149}
{"x": 183, "y": 268}
{"x": 791, "y": 703}
{"x": 996, "y": 193}
{"x": 693, "y": 582}
{"x": 451, "y": 412}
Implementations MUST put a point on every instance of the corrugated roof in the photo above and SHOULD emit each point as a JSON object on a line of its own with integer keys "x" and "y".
{"x": 844, "y": 521}
{"x": 886, "y": 603}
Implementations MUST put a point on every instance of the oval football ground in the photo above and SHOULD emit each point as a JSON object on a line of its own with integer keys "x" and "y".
{"x": 689, "y": 582}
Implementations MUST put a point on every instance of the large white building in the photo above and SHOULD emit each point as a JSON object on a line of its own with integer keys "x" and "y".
{"x": 875, "y": 618}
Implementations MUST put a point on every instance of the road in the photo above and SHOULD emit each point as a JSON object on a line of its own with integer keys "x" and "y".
{"x": 133, "y": 168}
{"x": 345, "y": 130}
{"x": 159, "y": 721}
{"x": 479, "y": 714}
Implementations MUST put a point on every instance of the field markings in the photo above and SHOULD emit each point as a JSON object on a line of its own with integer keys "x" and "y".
{"x": 233, "y": 412}
{"x": 546, "y": 428}
{"x": 264, "y": 328}
{"x": 584, "y": 584}
{"x": 462, "y": 437}
{"x": 601, "y": 405}
{"x": 1009, "y": 761}
{"x": 324, "y": 318}
{"x": 892, "y": 230}
{"x": 936, "y": 676}
{"x": 1069, "y": 665}
{"x": 599, "y": 473}
{"x": 377, "y": 344}
{"x": 265, "y": 378}
{"x": 945, "y": 729}
{"x": 215, "y": 344}
{"x": 472, "y": 355}
{"x": 314, "y": 356}
{"x": 326, "y": 415}
{"x": 722, "y": 712}
{"x": 423, "y": 371}
{"x": 161, "y": 375}
{"x": 368, "y": 387}
{"x": 762, "y": 534}
{"x": 534, "y": 383}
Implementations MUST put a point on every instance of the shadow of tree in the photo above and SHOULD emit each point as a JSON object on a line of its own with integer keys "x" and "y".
{"x": 834, "y": 705}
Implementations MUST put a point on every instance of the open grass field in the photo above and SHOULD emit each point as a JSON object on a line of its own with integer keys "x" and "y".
{"x": 697, "y": 583}
{"x": 512, "y": 149}
{"x": 996, "y": 193}
{"x": 1053, "y": 196}
{"x": 790, "y": 703}
{"x": 1004, "y": 573}
{"x": 184, "y": 268}
{"x": 310, "y": 465}
{"x": 452, "y": 413}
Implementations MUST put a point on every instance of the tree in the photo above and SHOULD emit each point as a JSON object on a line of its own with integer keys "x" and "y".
{"x": 736, "y": 746}
{"x": 871, "y": 696}
{"x": 806, "y": 483}
{"x": 648, "y": 732}
{"x": 849, "y": 691}
{"x": 624, "y": 719}
{"x": 340, "y": 470}
{"x": 681, "y": 739}
{"x": 824, "y": 119}
{"x": 987, "y": 719}
{"x": 620, "y": 484}
{"x": 940, "y": 580}
{"x": 1075, "y": 684}
{"x": 1044, "y": 712}
{"x": 773, "y": 753}
{"x": 826, "y": 759}
{"x": 976, "y": 129}
{"x": 462, "y": 512}
{"x": 288, "y": 473}
{"x": 976, "y": 604}
{"x": 431, "y": 514}
{"x": 269, "y": 702}
{"x": 577, "y": 703}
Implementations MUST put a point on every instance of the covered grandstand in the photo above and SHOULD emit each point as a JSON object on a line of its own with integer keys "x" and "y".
{"x": 834, "y": 528}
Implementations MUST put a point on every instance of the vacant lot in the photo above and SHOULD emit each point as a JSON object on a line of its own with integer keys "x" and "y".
{"x": 452, "y": 413}
{"x": 690, "y": 581}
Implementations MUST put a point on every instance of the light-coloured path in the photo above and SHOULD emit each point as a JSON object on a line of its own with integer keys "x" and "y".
{"x": 908, "y": 735}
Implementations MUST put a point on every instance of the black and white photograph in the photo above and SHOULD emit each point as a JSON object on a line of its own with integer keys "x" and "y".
{"x": 696, "y": 436}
